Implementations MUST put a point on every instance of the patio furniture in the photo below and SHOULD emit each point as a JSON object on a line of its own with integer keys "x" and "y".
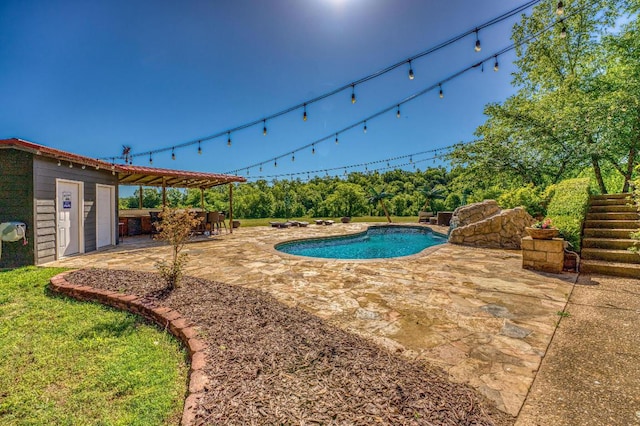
{"x": 424, "y": 216}
{"x": 216, "y": 220}
{"x": 319, "y": 222}
{"x": 328, "y": 222}
{"x": 444, "y": 218}
{"x": 155, "y": 221}
{"x": 280, "y": 224}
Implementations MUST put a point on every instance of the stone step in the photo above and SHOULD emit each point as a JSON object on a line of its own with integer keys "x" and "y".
{"x": 610, "y": 202}
{"x": 617, "y": 224}
{"x": 620, "y": 256}
{"x": 609, "y": 243}
{"x": 610, "y": 196}
{"x": 613, "y": 216}
{"x": 631, "y": 270}
{"x": 607, "y": 233}
{"x": 604, "y": 209}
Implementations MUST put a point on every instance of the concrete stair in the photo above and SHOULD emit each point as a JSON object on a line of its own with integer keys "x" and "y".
{"x": 610, "y": 220}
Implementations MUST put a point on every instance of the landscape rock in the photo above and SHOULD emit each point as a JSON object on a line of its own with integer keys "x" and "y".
{"x": 485, "y": 225}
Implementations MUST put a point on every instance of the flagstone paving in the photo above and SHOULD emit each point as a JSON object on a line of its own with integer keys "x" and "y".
{"x": 474, "y": 312}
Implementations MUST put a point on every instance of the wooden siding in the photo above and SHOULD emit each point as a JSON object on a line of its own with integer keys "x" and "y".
{"x": 46, "y": 172}
{"x": 16, "y": 204}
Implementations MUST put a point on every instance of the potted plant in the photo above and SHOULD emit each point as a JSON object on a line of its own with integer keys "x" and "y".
{"x": 542, "y": 230}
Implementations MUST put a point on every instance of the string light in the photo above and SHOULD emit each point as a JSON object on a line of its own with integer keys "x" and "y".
{"x": 173, "y": 154}
{"x": 431, "y": 50}
{"x": 97, "y": 167}
{"x": 293, "y": 158}
{"x": 59, "y": 163}
{"x": 398, "y": 112}
{"x": 411, "y": 76}
{"x": 495, "y": 65}
{"x": 441, "y": 94}
{"x": 84, "y": 166}
{"x": 71, "y": 165}
{"x": 336, "y": 139}
{"x": 560, "y": 8}
{"x": 304, "y": 114}
{"x": 264, "y": 127}
{"x": 477, "y": 48}
{"x": 275, "y": 163}
{"x": 199, "y": 149}
{"x": 260, "y": 168}
{"x": 364, "y": 129}
{"x": 150, "y": 159}
{"x": 563, "y": 31}
{"x": 228, "y": 138}
{"x": 313, "y": 149}
{"x": 353, "y": 93}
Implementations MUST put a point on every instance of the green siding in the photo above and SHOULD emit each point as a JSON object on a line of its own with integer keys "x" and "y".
{"x": 16, "y": 204}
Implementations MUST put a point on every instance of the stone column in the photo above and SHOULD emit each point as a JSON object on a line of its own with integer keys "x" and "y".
{"x": 543, "y": 255}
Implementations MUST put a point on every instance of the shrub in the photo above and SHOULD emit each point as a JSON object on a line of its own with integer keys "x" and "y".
{"x": 528, "y": 197}
{"x": 636, "y": 201}
{"x": 175, "y": 228}
{"x": 568, "y": 207}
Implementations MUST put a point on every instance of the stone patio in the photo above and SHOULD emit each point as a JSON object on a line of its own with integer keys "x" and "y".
{"x": 474, "y": 312}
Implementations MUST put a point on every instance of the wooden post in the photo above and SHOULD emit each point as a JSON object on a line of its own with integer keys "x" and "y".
{"x": 202, "y": 198}
{"x": 231, "y": 208}
{"x": 140, "y": 197}
{"x": 164, "y": 192}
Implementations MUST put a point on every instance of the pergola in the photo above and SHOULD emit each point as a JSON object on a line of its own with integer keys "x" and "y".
{"x": 163, "y": 178}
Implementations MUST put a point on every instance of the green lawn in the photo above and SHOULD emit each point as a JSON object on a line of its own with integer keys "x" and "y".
{"x": 65, "y": 362}
{"x": 265, "y": 222}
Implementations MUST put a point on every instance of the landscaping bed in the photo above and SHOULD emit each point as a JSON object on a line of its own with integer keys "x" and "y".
{"x": 268, "y": 363}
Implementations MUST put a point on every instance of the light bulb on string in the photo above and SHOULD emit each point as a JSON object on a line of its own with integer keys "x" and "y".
{"x": 560, "y": 9}
{"x": 247, "y": 172}
{"x": 97, "y": 167}
{"x": 264, "y": 127}
{"x": 275, "y": 163}
{"x": 84, "y": 166}
{"x": 495, "y": 65}
{"x": 364, "y": 129}
{"x": 199, "y": 149}
{"x": 313, "y": 149}
{"x": 293, "y": 158}
{"x": 228, "y": 138}
{"x": 353, "y": 93}
{"x": 563, "y": 31}
{"x": 411, "y": 76}
{"x": 398, "y": 112}
{"x": 59, "y": 163}
{"x": 150, "y": 160}
{"x": 71, "y": 165}
{"x": 441, "y": 94}
{"x": 173, "y": 154}
{"x": 388, "y": 164}
{"x": 478, "y": 47}
{"x": 304, "y": 114}
{"x": 260, "y": 168}
{"x": 336, "y": 139}
{"x": 411, "y": 159}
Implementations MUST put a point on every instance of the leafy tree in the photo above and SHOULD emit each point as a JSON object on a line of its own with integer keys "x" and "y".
{"x": 431, "y": 195}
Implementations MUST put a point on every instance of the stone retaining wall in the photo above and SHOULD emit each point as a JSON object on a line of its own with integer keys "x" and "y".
{"x": 166, "y": 318}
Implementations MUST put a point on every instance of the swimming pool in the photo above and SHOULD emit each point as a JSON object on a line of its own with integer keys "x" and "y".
{"x": 377, "y": 242}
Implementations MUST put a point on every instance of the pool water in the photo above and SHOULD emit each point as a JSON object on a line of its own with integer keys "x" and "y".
{"x": 378, "y": 242}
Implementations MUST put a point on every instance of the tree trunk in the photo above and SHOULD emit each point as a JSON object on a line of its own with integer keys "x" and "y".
{"x": 630, "y": 165}
{"x": 598, "y": 173}
{"x": 384, "y": 207}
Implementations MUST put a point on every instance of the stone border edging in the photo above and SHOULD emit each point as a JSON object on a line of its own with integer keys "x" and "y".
{"x": 164, "y": 317}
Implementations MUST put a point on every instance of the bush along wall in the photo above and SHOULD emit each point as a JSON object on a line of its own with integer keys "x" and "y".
{"x": 568, "y": 208}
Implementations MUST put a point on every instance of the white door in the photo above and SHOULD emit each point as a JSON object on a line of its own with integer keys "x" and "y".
{"x": 105, "y": 212}
{"x": 69, "y": 225}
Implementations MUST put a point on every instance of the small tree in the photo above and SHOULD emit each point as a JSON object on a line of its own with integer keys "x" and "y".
{"x": 377, "y": 197}
{"x": 175, "y": 227}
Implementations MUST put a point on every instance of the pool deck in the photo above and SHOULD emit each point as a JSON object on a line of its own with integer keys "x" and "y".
{"x": 473, "y": 312}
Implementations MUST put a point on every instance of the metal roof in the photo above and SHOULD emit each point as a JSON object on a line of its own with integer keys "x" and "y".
{"x": 129, "y": 174}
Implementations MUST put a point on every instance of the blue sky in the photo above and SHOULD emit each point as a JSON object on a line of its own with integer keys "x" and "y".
{"x": 91, "y": 76}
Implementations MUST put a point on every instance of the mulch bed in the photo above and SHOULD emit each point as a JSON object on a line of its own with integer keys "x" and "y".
{"x": 272, "y": 364}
